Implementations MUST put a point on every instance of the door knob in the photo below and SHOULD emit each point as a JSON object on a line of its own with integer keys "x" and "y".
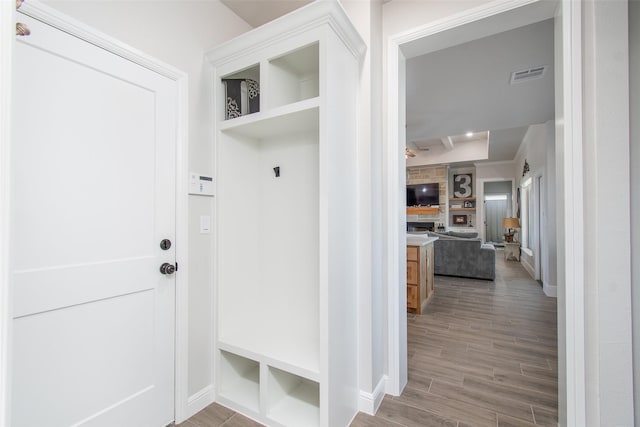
{"x": 167, "y": 268}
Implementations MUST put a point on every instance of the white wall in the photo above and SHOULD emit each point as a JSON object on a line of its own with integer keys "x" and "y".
{"x": 498, "y": 187}
{"x": 607, "y": 244}
{"x": 493, "y": 170}
{"x": 533, "y": 149}
{"x": 178, "y": 32}
{"x": 538, "y": 149}
{"x": 634, "y": 144}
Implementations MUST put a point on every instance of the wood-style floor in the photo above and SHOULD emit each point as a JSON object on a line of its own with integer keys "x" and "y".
{"x": 484, "y": 354}
{"x": 216, "y": 415}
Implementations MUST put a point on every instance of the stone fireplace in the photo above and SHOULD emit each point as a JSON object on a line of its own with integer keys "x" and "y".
{"x": 424, "y": 175}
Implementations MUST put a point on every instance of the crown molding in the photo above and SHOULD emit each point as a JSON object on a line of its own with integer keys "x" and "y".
{"x": 314, "y": 15}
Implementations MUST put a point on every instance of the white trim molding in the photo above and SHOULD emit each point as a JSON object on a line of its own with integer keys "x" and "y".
{"x": 71, "y": 26}
{"x": 393, "y": 218}
{"x": 313, "y": 15}
{"x": 370, "y": 402}
{"x": 198, "y": 401}
{"x": 572, "y": 218}
{"x": 182, "y": 255}
{"x": 550, "y": 290}
{"x": 525, "y": 261}
{"x": 7, "y": 40}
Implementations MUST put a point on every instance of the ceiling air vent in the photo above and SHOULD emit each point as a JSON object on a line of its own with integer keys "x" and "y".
{"x": 528, "y": 74}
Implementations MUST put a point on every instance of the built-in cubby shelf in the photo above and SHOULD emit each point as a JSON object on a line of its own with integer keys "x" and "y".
{"x": 290, "y": 399}
{"x": 247, "y": 74}
{"x": 252, "y": 72}
{"x": 286, "y": 221}
{"x": 294, "y": 76}
{"x": 239, "y": 380}
{"x": 293, "y": 400}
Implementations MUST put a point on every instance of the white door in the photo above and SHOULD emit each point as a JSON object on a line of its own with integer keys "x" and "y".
{"x": 93, "y": 195}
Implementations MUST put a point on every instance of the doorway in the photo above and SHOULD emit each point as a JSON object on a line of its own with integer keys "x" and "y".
{"x": 497, "y": 205}
{"x": 569, "y": 137}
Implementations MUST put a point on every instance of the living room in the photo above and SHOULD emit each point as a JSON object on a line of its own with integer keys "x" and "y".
{"x": 469, "y": 127}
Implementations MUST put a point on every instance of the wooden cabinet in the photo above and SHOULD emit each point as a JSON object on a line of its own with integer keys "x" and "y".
{"x": 420, "y": 277}
{"x": 285, "y": 324}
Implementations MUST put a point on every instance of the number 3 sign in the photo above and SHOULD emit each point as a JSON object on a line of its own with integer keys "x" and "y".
{"x": 462, "y": 185}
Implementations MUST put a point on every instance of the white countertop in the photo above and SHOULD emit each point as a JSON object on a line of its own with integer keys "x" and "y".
{"x": 420, "y": 239}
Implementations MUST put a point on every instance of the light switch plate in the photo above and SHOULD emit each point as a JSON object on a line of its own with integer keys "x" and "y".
{"x": 205, "y": 224}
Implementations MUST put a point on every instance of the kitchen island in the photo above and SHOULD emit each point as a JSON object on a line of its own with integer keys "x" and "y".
{"x": 420, "y": 271}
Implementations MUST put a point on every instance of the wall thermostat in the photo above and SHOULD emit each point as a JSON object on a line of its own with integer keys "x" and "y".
{"x": 201, "y": 185}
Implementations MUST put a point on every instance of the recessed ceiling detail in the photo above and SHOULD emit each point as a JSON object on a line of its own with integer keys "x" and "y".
{"x": 532, "y": 73}
{"x": 465, "y": 88}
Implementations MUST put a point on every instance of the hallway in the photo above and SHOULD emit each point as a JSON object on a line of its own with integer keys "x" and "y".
{"x": 484, "y": 354}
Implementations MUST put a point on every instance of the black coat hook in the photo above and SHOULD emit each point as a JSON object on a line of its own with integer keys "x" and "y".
{"x": 276, "y": 170}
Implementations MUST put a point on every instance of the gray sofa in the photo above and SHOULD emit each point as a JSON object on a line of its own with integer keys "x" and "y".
{"x": 464, "y": 255}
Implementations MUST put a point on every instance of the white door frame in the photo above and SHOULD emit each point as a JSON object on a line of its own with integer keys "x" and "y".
{"x": 572, "y": 402}
{"x": 71, "y": 26}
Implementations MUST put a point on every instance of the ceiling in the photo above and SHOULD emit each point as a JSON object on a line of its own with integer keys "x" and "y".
{"x": 467, "y": 88}
{"x": 258, "y": 12}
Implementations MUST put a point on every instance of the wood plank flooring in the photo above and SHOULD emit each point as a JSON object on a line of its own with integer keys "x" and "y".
{"x": 216, "y": 415}
{"x": 484, "y": 354}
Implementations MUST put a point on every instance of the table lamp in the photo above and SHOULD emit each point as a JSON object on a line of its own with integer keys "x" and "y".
{"x": 510, "y": 223}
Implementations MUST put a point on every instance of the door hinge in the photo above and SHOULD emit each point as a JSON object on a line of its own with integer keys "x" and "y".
{"x": 176, "y": 265}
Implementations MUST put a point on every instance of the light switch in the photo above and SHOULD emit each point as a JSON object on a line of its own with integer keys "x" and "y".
{"x": 205, "y": 224}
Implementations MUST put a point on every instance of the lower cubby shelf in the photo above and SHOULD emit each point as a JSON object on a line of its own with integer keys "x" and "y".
{"x": 274, "y": 396}
{"x": 293, "y": 400}
{"x": 240, "y": 380}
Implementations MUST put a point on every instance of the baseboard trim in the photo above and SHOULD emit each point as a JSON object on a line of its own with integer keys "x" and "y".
{"x": 550, "y": 290}
{"x": 370, "y": 402}
{"x": 528, "y": 267}
{"x": 200, "y": 400}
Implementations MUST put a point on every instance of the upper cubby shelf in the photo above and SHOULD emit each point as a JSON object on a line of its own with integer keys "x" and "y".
{"x": 288, "y": 80}
{"x": 241, "y": 92}
{"x": 294, "y": 76}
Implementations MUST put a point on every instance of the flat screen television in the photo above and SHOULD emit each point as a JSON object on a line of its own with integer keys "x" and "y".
{"x": 423, "y": 194}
